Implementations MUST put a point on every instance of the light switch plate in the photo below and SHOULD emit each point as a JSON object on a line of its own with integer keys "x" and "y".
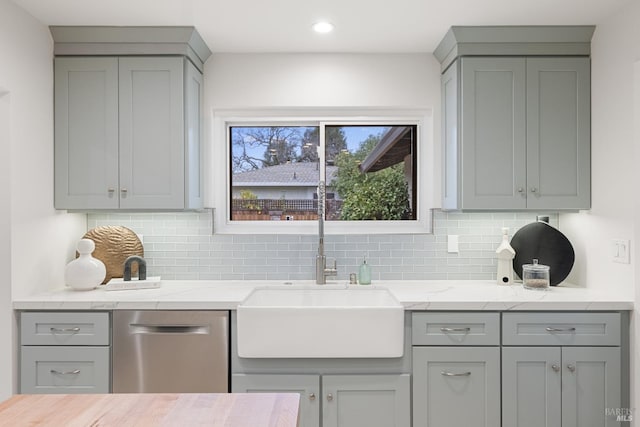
{"x": 620, "y": 251}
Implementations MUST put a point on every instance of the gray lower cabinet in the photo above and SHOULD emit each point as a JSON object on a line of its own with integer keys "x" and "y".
{"x": 456, "y": 369}
{"x": 308, "y": 386}
{"x": 64, "y": 352}
{"x": 339, "y": 400}
{"x": 560, "y": 386}
{"x": 456, "y": 386}
{"x": 561, "y": 369}
{"x": 516, "y": 133}
{"x": 127, "y": 133}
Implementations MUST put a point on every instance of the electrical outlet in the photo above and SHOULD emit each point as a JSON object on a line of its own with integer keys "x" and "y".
{"x": 620, "y": 251}
{"x": 452, "y": 243}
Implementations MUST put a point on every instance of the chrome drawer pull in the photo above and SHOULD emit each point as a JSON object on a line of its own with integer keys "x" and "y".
{"x": 75, "y": 372}
{"x": 454, "y": 374}
{"x": 64, "y": 330}
{"x": 445, "y": 330}
{"x": 550, "y": 329}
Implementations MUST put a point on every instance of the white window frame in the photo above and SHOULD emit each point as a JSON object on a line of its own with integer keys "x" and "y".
{"x": 218, "y": 175}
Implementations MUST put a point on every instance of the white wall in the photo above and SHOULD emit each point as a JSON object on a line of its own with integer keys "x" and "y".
{"x": 39, "y": 240}
{"x": 615, "y": 209}
{"x": 615, "y": 47}
{"x": 322, "y": 80}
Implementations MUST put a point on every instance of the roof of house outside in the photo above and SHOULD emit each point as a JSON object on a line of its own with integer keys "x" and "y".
{"x": 303, "y": 174}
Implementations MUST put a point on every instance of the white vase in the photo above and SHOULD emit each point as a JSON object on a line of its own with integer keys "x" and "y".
{"x": 85, "y": 272}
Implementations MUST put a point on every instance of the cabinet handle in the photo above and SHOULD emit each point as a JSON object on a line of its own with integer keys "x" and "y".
{"x": 124, "y": 190}
{"x": 445, "y": 330}
{"x": 111, "y": 190}
{"x": 455, "y": 374}
{"x": 550, "y": 329}
{"x": 555, "y": 368}
{"x": 534, "y": 189}
{"x": 329, "y": 397}
{"x": 64, "y": 330}
{"x": 520, "y": 190}
{"x": 312, "y": 396}
{"x": 571, "y": 367}
{"x": 75, "y": 372}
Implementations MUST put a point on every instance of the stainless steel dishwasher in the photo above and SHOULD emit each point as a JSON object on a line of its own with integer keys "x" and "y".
{"x": 169, "y": 351}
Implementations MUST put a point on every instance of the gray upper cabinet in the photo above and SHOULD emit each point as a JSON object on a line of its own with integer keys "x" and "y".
{"x": 86, "y": 133}
{"x": 558, "y": 133}
{"x": 151, "y": 133}
{"x": 127, "y": 128}
{"x": 516, "y": 127}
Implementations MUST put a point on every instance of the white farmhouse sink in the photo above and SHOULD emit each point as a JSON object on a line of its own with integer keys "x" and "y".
{"x": 320, "y": 322}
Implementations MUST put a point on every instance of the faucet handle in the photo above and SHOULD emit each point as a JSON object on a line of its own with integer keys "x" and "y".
{"x": 332, "y": 271}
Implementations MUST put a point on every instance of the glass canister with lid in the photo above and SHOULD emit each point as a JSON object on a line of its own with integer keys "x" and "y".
{"x": 535, "y": 276}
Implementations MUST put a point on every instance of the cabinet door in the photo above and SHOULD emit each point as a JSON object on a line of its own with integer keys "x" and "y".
{"x": 456, "y": 386}
{"x": 590, "y": 386}
{"x": 151, "y": 132}
{"x": 531, "y": 381}
{"x": 493, "y": 132}
{"x": 308, "y": 386}
{"x": 558, "y": 133}
{"x": 86, "y": 133}
{"x": 366, "y": 401}
{"x": 64, "y": 369}
{"x": 194, "y": 93}
{"x": 450, "y": 137}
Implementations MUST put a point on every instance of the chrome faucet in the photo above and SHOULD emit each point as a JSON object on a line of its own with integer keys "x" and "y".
{"x": 321, "y": 260}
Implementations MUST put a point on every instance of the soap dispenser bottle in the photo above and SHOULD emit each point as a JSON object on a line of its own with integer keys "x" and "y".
{"x": 365, "y": 273}
{"x": 505, "y": 255}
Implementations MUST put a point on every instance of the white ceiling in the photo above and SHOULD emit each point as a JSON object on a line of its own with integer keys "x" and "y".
{"x": 285, "y": 25}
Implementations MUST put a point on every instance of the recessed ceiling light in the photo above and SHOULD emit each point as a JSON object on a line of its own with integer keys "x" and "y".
{"x": 323, "y": 27}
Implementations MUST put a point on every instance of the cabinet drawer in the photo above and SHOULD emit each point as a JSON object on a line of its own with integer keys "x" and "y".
{"x": 53, "y": 328}
{"x": 561, "y": 329}
{"x": 454, "y": 328}
{"x": 49, "y": 369}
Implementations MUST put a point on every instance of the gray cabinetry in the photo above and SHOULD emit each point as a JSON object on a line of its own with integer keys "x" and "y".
{"x": 64, "y": 352}
{"x": 86, "y": 133}
{"x": 561, "y": 369}
{"x": 339, "y": 400}
{"x": 128, "y": 108}
{"x": 517, "y": 133}
{"x": 308, "y": 386}
{"x": 516, "y": 128}
{"x": 127, "y": 133}
{"x": 457, "y": 384}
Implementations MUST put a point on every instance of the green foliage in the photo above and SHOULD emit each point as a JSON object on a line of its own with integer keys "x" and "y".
{"x": 381, "y": 195}
{"x": 249, "y": 195}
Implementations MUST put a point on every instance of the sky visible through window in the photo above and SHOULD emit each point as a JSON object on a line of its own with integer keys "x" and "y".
{"x": 354, "y": 136}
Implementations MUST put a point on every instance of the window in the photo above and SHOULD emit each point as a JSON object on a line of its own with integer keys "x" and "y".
{"x": 370, "y": 167}
{"x": 368, "y": 171}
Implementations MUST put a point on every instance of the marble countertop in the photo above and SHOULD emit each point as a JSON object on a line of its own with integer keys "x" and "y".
{"x": 413, "y": 295}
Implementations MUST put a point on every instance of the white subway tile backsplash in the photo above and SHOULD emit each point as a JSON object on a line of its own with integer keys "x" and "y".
{"x": 181, "y": 246}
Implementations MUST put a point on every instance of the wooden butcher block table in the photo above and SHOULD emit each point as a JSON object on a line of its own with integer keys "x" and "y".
{"x": 188, "y": 409}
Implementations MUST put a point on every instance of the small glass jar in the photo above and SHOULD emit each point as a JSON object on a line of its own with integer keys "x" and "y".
{"x": 535, "y": 276}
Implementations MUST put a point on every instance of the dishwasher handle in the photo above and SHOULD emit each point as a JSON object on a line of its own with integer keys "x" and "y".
{"x": 144, "y": 329}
